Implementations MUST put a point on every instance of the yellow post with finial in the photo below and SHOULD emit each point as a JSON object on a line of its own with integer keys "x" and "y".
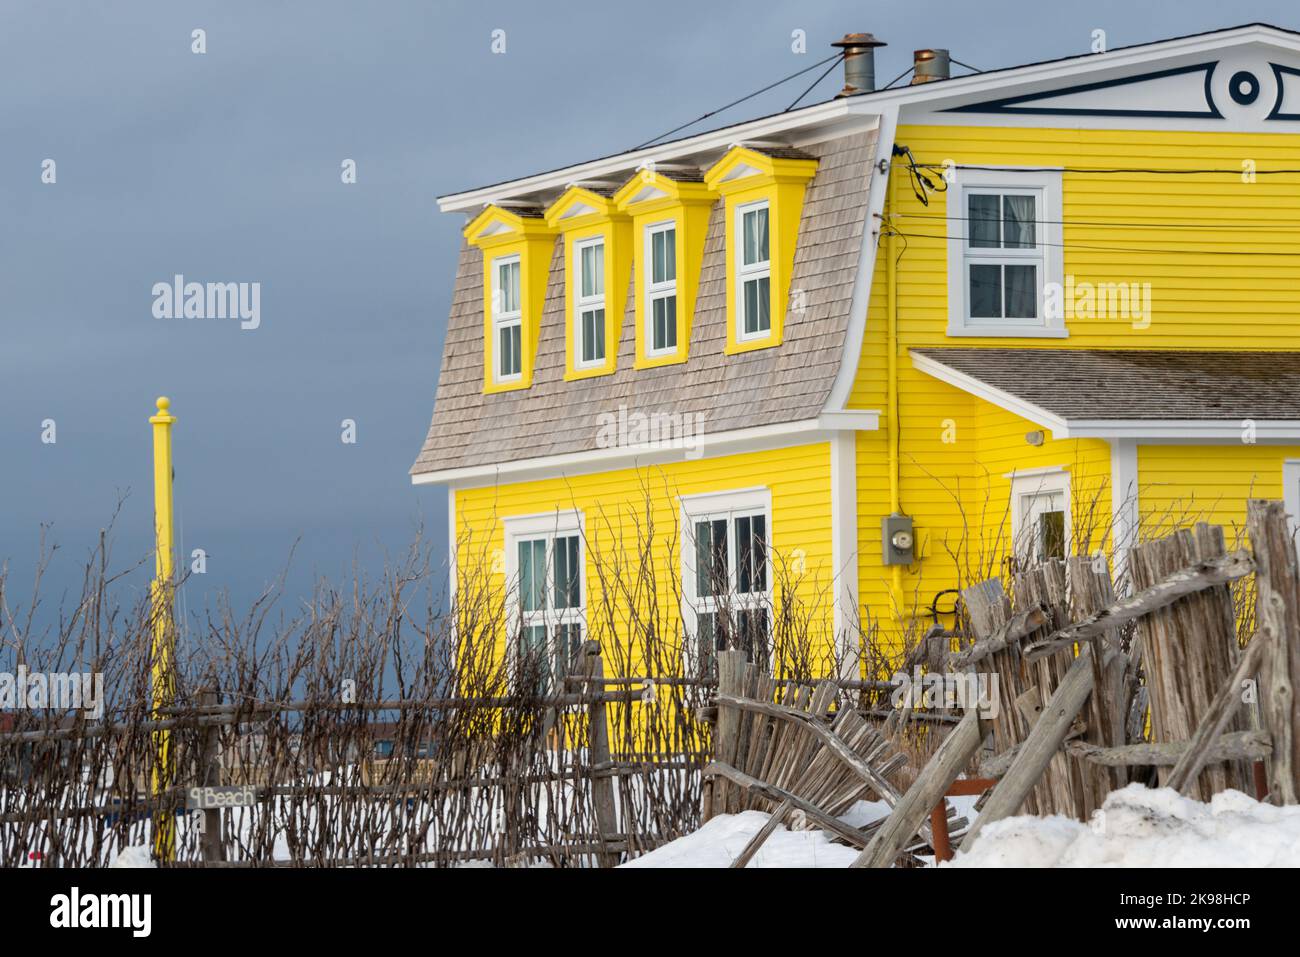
{"x": 162, "y": 596}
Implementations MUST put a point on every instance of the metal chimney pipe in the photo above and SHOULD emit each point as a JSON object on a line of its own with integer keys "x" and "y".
{"x": 859, "y": 62}
{"x": 930, "y": 65}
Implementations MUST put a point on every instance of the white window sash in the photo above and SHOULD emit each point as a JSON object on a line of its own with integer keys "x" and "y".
{"x": 751, "y": 271}
{"x": 503, "y": 319}
{"x": 1037, "y": 488}
{"x": 655, "y": 291}
{"x": 584, "y": 304}
{"x": 549, "y": 528}
{"x": 1046, "y": 255}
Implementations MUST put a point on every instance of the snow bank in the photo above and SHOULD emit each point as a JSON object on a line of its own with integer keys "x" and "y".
{"x": 136, "y": 855}
{"x": 1140, "y": 827}
{"x": 721, "y": 840}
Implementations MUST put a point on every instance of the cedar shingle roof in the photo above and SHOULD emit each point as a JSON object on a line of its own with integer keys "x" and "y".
{"x": 789, "y": 383}
{"x": 1137, "y": 384}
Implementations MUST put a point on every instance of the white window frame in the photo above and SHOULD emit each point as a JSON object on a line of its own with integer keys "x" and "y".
{"x": 583, "y": 304}
{"x": 1030, "y": 484}
{"x": 504, "y": 320}
{"x": 655, "y": 291}
{"x": 745, "y": 273}
{"x": 548, "y": 526}
{"x": 1045, "y": 186}
{"x": 715, "y": 505}
{"x": 1291, "y": 494}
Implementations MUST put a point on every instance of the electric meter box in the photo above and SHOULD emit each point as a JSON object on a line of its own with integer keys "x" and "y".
{"x": 898, "y": 540}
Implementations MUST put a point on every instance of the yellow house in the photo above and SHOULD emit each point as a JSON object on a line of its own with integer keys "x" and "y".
{"x": 858, "y": 354}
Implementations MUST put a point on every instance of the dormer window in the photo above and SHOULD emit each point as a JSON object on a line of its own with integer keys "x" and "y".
{"x": 589, "y": 303}
{"x": 597, "y": 265}
{"x": 517, "y": 247}
{"x": 661, "y": 289}
{"x": 764, "y": 192}
{"x": 670, "y": 210}
{"x": 754, "y": 271}
{"x": 507, "y": 318}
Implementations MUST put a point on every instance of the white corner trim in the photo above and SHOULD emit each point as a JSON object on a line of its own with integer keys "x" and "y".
{"x": 1124, "y": 511}
{"x": 759, "y": 438}
{"x": 988, "y": 393}
{"x": 844, "y": 548}
{"x": 842, "y": 388}
{"x": 1291, "y": 489}
{"x": 1185, "y": 430}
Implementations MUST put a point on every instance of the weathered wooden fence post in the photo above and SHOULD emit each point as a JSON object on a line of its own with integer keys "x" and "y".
{"x": 212, "y": 842}
{"x": 726, "y": 733}
{"x": 602, "y": 782}
{"x": 1277, "y": 577}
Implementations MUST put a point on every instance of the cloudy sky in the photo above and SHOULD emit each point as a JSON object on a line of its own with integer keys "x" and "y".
{"x": 225, "y": 167}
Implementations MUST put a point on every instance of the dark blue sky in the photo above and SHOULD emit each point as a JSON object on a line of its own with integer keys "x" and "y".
{"x": 226, "y": 167}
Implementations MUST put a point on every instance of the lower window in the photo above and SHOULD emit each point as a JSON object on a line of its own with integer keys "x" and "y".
{"x": 728, "y": 579}
{"x": 1040, "y": 516}
{"x": 546, "y": 595}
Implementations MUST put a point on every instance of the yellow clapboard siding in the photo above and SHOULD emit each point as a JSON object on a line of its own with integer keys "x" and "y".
{"x": 614, "y": 506}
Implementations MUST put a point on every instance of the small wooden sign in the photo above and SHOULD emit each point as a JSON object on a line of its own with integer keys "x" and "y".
{"x": 212, "y": 798}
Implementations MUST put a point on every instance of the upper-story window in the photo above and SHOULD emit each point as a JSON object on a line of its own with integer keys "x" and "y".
{"x": 517, "y": 248}
{"x": 589, "y": 303}
{"x": 670, "y": 211}
{"x": 1004, "y": 232}
{"x": 597, "y": 244}
{"x": 661, "y": 289}
{"x": 754, "y": 271}
{"x": 763, "y": 191}
{"x": 507, "y": 318}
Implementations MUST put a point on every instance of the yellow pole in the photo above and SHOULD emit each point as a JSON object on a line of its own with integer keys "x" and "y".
{"x": 161, "y": 597}
{"x": 891, "y": 416}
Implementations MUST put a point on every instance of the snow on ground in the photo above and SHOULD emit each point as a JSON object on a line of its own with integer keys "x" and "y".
{"x": 1139, "y": 827}
{"x": 721, "y": 840}
{"x": 1136, "y": 827}
{"x": 137, "y": 855}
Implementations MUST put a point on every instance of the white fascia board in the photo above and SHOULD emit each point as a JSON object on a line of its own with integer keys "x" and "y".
{"x": 1003, "y": 400}
{"x": 824, "y": 120}
{"x": 1188, "y": 430}
{"x": 1054, "y": 71}
{"x": 842, "y": 388}
{"x": 760, "y": 438}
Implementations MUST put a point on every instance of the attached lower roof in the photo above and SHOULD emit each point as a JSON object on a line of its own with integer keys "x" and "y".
{"x": 1081, "y": 391}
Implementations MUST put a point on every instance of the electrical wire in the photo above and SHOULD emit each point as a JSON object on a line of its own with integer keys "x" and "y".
{"x": 1123, "y": 249}
{"x": 1150, "y": 224}
{"x": 1107, "y": 170}
{"x": 814, "y": 85}
{"x": 750, "y": 96}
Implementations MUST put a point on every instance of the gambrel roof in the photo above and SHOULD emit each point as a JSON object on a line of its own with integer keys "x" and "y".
{"x": 751, "y": 390}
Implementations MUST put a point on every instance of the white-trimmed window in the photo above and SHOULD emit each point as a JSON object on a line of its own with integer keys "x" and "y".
{"x": 507, "y": 319}
{"x": 727, "y": 574}
{"x": 753, "y": 272}
{"x": 1291, "y": 494}
{"x": 661, "y": 289}
{"x": 546, "y": 596}
{"x": 589, "y": 303}
{"x": 1004, "y": 248}
{"x": 1040, "y": 515}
